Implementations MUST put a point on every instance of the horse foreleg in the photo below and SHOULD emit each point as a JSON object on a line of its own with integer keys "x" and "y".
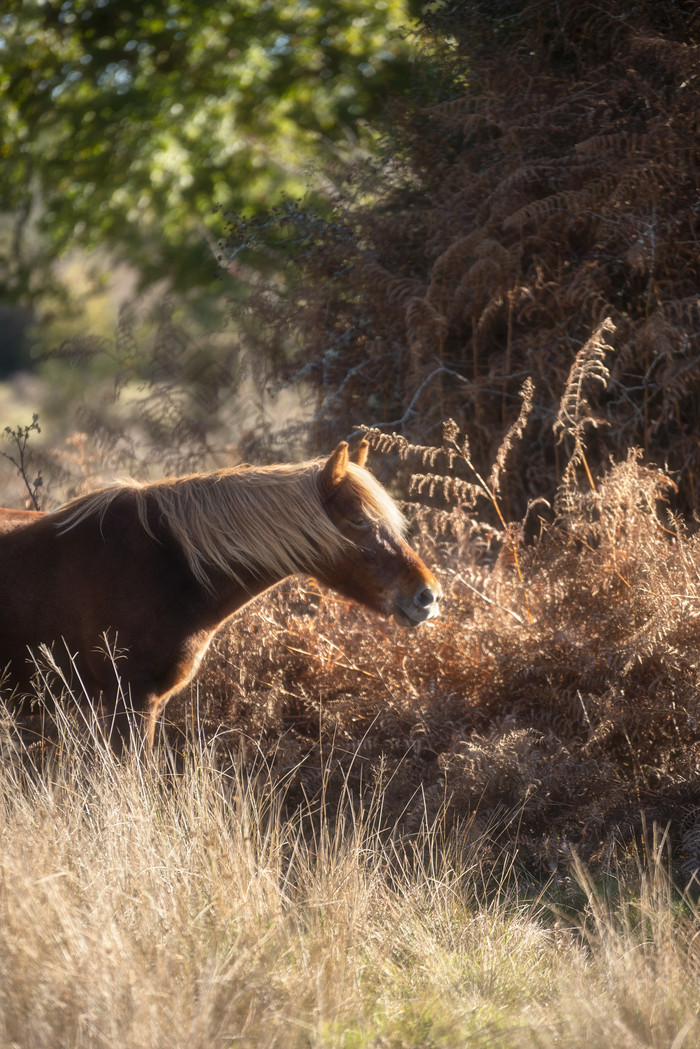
{"x": 151, "y": 720}
{"x": 144, "y": 716}
{"x": 135, "y": 710}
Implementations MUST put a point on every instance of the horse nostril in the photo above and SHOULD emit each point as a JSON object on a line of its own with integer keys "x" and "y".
{"x": 425, "y": 597}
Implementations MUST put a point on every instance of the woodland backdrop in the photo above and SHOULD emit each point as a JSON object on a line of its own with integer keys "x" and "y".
{"x": 482, "y": 832}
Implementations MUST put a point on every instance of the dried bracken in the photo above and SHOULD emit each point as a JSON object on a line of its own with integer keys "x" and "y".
{"x": 562, "y": 689}
{"x": 574, "y": 414}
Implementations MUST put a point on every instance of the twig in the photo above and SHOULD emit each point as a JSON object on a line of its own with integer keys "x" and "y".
{"x": 489, "y": 601}
{"x": 20, "y": 436}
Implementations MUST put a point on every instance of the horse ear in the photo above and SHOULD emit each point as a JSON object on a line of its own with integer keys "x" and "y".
{"x": 360, "y": 452}
{"x": 334, "y": 470}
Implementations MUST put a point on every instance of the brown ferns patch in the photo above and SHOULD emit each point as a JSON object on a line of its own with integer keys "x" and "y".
{"x": 554, "y": 704}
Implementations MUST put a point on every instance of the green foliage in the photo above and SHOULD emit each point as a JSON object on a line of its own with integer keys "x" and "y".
{"x": 124, "y": 123}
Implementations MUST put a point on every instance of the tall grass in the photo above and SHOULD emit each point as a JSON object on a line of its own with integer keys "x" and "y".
{"x": 139, "y": 908}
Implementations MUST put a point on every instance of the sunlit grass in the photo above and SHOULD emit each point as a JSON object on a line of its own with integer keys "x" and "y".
{"x": 138, "y": 908}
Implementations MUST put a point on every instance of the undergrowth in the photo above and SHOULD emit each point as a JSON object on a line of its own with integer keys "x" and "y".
{"x": 484, "y": 830}
{"x": 553, "y": 705}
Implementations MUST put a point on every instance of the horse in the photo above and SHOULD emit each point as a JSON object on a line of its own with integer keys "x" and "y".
{"x": 11, "y": 519}
{"x": 130, "y": 583}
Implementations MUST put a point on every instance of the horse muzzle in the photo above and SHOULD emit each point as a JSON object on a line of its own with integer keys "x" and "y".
{"x": 418, "y": 608}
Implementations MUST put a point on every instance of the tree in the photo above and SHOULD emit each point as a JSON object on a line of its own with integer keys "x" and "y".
{"x": 123, "y": 122}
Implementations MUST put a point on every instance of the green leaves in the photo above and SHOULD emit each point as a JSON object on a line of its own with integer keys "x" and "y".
{"x": 123, "y": 123}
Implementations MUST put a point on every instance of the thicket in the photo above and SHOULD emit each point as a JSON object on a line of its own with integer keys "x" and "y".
{"x": 546, "y": 179}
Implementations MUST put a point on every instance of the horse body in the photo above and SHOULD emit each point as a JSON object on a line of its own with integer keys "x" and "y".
{"x": 11, "y": 519}
{"x": 130, "y": 584}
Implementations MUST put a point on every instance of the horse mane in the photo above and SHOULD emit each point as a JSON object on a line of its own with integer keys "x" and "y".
{"x": 268, "y": 520}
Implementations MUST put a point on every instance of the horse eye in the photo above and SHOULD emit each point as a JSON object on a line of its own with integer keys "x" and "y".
{"x": 358, "y": 521}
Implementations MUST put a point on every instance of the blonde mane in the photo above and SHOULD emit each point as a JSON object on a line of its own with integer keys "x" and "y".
{"x": 265, "y": 520}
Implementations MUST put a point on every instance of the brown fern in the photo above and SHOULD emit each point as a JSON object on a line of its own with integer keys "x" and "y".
{"x": 574, "y": 414}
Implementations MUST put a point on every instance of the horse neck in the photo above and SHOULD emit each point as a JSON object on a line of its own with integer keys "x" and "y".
{"x": 274, "y": 531}
{"x": 228, "y": 594}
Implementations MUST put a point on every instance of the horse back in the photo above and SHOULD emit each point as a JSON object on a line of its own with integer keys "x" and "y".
{"x": 11, "y": 519}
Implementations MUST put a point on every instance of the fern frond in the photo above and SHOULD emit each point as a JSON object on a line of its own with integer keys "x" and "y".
{"x": 397, "y": 290}
{"x": 396, "y": 443}
{"x": 588, "y": 367}
{"x": 685, "y": 312}
{"x": 513, "y": 435}
{"x": 574, "y": 410}
{"x": 620, "y": 144}
{"x": 425, "y": 325}
{"x": 569, "y": 201}
{"x": 453, "y": 490}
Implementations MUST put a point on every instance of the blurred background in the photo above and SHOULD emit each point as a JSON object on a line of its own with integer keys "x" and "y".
{"x": 239, "y": 229}
{"x": 131, "y": 132}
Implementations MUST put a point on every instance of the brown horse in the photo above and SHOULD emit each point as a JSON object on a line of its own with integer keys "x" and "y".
{"x": 11, "y": 519}
{"x": 152, "y": 570}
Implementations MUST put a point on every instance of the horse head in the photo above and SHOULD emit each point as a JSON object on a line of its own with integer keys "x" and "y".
{"x": 378, "y": 567}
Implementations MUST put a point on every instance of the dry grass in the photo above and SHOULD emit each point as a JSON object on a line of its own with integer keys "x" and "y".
{"x": 141, "y": 909}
